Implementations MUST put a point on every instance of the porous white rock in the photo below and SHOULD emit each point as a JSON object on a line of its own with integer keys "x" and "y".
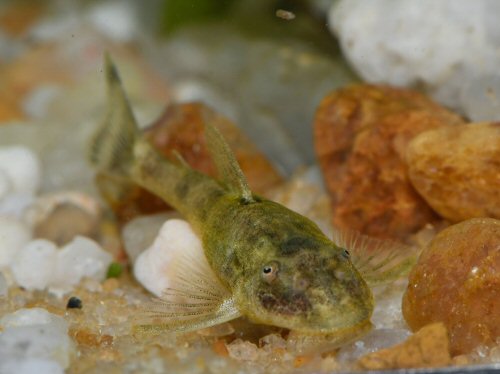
{"x": 450, "y": 48}
{"x": 80, "y": 258}
{"x": 34, "y": 265}
{"x": 22, "y": 168}
{"x": 14, "y": 235}
{"x": 158, "y": 265}
{"x": 32, "y": 334}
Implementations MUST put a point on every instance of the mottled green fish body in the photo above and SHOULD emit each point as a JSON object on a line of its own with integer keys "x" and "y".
{"x": 271, "y": 264}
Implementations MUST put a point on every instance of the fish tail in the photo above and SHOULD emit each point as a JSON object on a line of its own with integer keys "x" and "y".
{"x": 112, "y": 147}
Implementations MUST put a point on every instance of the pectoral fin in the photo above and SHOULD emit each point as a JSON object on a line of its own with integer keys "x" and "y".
{"x": 226, "y": 164}
{"x": 192, "y": 304}
{"x": 192, "y": 297}
{"x": 378, "y": 261}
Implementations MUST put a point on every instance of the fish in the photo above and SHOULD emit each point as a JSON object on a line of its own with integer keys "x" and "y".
{"x": 258, "y": 259}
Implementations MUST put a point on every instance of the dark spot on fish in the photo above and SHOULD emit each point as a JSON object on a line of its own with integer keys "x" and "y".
{"x": 245, "y": 201}
{"x": 291, "y": 304}
{"x": 182, "y": 188}
{"x": 230, "y": 264}
{"x": 205, "y": 201}
{"x": 310, "y": 260}
{"x": 293, "y": 245}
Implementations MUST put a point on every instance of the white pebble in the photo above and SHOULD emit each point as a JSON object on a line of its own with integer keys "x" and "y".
{"x": 22, "y": 167}
{"x": 36, "y": 103}
{"x": 40, "y": 264}
{"x": 157, "y": 266}
{"x": 80, "y": 258}
{"x": 5, "y": 185}
{"x": 34, "y": 265}
{"x": 14, "y": 235}
{"x": 35, "y": 333}
{"x": 15, "y": 204}
{"x": 115, "y": 19}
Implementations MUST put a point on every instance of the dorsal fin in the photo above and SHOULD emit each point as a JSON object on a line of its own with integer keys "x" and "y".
{"x": 229, "y": 171}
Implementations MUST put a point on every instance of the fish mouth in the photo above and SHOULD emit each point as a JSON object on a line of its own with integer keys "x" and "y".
{"x": 285, "y": 304}
{"x": 313, "y": 342}
{"x": 345, "y": 334}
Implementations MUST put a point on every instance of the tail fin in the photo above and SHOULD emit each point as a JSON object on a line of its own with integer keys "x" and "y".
{"x": 112, "y": 147}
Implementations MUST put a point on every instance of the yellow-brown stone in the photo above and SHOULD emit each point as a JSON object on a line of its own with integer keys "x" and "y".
{"x": 457, "y": 282}
{"x": 456, "y": 169}
{"x": 429, "y": 347}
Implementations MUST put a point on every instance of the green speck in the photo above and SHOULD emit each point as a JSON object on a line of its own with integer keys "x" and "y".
{"x": 114, "y": 270}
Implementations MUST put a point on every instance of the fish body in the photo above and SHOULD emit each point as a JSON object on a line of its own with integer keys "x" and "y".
{"x": 267, "y": 263}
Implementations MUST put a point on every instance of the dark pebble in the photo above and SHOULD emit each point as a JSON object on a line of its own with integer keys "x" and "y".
{"x": 74, "y": 303}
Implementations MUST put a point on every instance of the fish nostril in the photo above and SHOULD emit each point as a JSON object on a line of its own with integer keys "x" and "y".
{"x": 339, "y": 274}
{"x": 300, "y": 284}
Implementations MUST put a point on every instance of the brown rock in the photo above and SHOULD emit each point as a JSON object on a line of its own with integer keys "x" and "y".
{"x": 17, "y": 17}
{"x": 182, "y": 128}
{"x": 65, "y": 222}
{"x": 55, "y": 65}
{"x": 9, "y": 109}
{"x": 361, "y": 134}
{"x": 457, "y": 281}
{"x": 219, "y": 347}
{"x": 61, "y": 216}
{"x": 457, "y": 170}
{"x": 87, "y": 338}
{"x": 429, "y": 347}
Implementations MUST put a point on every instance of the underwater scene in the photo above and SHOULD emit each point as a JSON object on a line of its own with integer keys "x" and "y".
{"x": 249, "y": 186}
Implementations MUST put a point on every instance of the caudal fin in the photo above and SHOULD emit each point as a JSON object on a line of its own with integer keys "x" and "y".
{"x": 112, "y": 147}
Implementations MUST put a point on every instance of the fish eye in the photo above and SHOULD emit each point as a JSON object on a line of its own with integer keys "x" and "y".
{"x": 270, "y": 272}
{"x": 346, "y": 253}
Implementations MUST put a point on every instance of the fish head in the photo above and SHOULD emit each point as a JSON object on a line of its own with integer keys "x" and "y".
{"x": 314, "y": 290}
